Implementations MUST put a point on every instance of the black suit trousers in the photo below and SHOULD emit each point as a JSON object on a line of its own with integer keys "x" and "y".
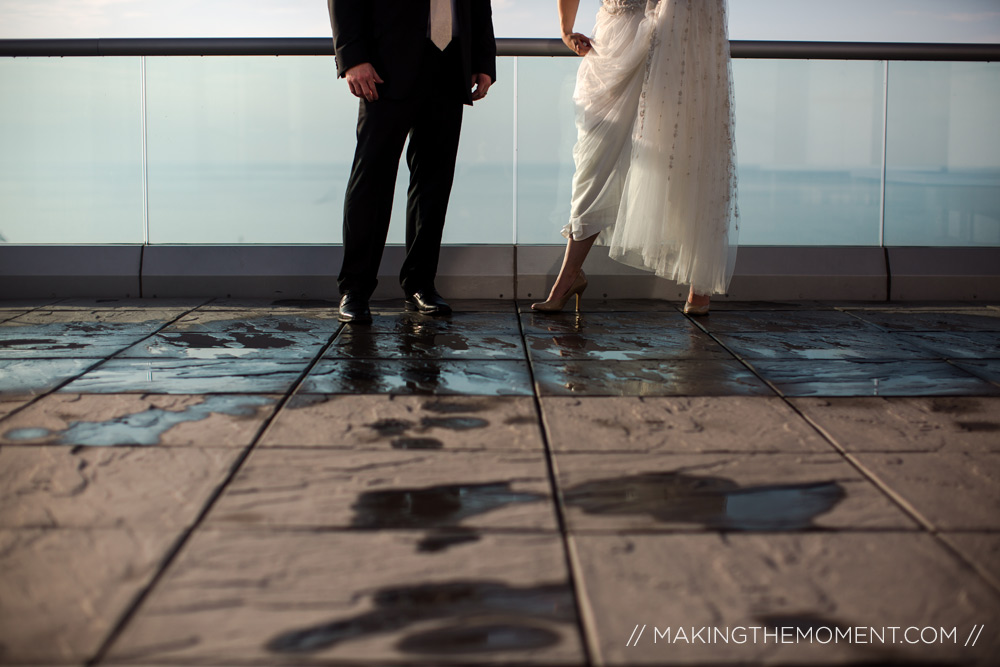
{"x": 432, "y": 118}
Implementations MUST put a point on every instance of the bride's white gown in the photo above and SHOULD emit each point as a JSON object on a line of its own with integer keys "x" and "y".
{"x": 655, "y": 154}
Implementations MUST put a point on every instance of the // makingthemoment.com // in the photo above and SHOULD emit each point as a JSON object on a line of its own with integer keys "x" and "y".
{"x": 819, "y": 634}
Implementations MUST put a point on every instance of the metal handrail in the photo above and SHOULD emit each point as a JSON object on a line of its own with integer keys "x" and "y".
{"x": 323, "y": 46}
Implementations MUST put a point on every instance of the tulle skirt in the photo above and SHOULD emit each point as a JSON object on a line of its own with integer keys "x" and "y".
{"x": 655, "y": 154}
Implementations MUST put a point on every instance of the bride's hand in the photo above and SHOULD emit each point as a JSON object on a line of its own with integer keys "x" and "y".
{"x": 579, "y": 44}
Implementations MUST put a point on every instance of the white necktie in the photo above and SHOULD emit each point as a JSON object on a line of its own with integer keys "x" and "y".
{"x": 441, "y": 23}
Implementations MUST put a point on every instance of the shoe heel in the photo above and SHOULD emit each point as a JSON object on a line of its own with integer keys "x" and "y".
{"x": 578, "y": 295}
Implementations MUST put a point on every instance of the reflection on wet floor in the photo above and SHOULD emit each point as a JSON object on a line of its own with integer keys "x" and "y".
{"x": 228, "y": 322}
{"x": 841, "y": 377}
{"x": 238, "y": 344}
{"x": 270, "y": 355}
{"x": 822, "y": 345}
{"x": 142, "y": 428}
{"x": 467, "y": 323}
{"x": 191, "y": 376}
{"x": 676, "y": 377}
{"x": 383, "y": 376}
{"x": 686, "y": 343}
{"x": 487, "y": 615}
{"x": 715, "y": 503}
{"x": 356, "y": 344}
{"x": 604, "y": 323}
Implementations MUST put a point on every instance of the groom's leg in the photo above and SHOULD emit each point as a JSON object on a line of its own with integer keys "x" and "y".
{"x": 382, "y": 128}
{"x": 431, "y": 158}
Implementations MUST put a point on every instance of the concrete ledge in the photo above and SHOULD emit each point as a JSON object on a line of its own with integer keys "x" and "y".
{"x": 310, "y": 272}
{"x": 762, "y": 273}
{"x": 488, "y": 271}
{"x": 33, "y": 271}
{"x": 289, "y": 272}
{"x": 945, "y": 273}
{"x": 811, "y": 273}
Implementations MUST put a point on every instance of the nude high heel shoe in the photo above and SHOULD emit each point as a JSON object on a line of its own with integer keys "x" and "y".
{"x": 556, "y": 305}
{"x": 691, "y": 309}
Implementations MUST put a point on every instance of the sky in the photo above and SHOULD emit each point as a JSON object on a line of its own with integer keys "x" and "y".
{"x": 797, "y": 20}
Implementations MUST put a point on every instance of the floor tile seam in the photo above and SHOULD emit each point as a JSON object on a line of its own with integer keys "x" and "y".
{"x": 77, "y": 376}
{"x": 423, "y": 358}
{"x": 692, "y": 532}
{"x": 182, "y": 540}
{"x": 402, "y": 450}
{"x": 926, "y": 524}
{"x": 916, "y": 347}
{"x": 970, "y": 531}
{"x": 347, "y": 530}
{"x": 991, "y": 578}
{"x": 121, "y": 446}
{"x": 574, "y": 573}
{"x": 586, "y": 610}
{"x": 863, "y": 470}
{"x": 722, "y": 457}
{"x": 60, "y": 304}
{"x": 954, "y": 363}
{"x": 854, "y": 315}
{"x": 770, "y": 385}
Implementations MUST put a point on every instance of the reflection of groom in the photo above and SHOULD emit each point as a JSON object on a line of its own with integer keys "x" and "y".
{"x": 413, "y": 63}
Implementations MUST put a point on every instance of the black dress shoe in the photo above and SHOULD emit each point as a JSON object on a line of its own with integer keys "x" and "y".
{"x": 428, "y": 302}
{"x": 354, "y": 309}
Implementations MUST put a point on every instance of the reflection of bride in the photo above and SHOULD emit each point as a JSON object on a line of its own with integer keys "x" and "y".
{"x": 655, "y": 158}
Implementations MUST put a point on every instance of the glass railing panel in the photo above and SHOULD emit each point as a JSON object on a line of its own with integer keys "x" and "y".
{"x": 943, "y": 154}
{"x": 809, "y": 144}
{"x": 247, "y": 149}
{"x": 70, "y": 150}
{"x": 259, "y": 149}
{"x": 481, "y": 208}
{"x": 546, "y": 132}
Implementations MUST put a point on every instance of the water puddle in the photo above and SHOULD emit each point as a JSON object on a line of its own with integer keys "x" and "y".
{"x": 242, "y": 339}
{"x": 478, "y": 639}
{"x": 146, "y": 427}
{"x": 978, "y": 427}
{"x": 417, "y": 443}
{"x": 453, "y": 423}
{"x": 217, "y": 353}
{"x": 388, "y": 428}
{"x": 444, "y": 506}
{"x": 394, "y": 428}
{"x": 48, "y": 344}
{"x": 442, "y": 406}
{"x": 487, "y": 616}
{"x": 444, "y": 539}
{"x": 715, "y": 503}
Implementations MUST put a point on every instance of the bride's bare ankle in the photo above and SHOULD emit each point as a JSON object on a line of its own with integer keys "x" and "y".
{"x": 696, "y": 299}
{"x": 564, "y": 282}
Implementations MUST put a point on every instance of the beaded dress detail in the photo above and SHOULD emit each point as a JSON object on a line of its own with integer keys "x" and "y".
{"x": 623, "y": 6}
{"x": 655, "y": 153}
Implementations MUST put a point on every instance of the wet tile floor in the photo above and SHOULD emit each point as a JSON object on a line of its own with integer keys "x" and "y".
{"x": 249, "y": 482}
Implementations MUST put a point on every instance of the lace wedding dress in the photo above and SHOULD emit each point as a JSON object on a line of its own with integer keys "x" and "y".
{"x": 655, "y": 153}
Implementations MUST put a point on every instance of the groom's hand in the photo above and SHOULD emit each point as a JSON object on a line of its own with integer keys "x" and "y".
{"x": 362, "y": 79}
{"x": 480, "y": 84}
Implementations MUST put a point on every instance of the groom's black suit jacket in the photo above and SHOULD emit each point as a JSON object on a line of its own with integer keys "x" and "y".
{"x": 391, "y": 35}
